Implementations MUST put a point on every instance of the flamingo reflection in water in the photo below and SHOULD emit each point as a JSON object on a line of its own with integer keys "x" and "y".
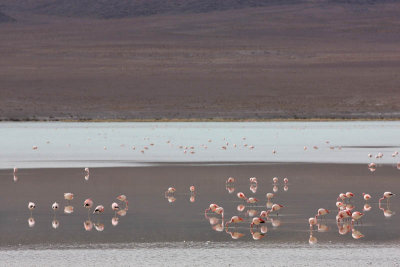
{"x": 31, "y": 220}
{"x": 312, "y": 240}
{"x": 230, "y": 188}
{"x": 169, "y": 194}
{"x": 192, "y": 197}
{"x": 68, "y": 209}
{"x": 257, "y": 235}
{"x": 387, "y": 212}
{"x": 234, "y": 235}
{"x": 87, "y": 173}
{"x": 55, "y": 223}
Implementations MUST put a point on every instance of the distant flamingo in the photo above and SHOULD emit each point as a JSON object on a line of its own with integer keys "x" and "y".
{"x": 54, "y": 207}
{"x": 220, "y": 211}
{"x": 349, "y": 195}
{"x": 312, "y": 221}
{"x": 387, "y": 196}
{"x": 115, "y": 207}
{"x": 252, "y": 200}
{"x": 356, "y": 215}
{"x": 341, "y": 196}
{"x": 241, "y": 196}
{"x": 212, "y": 207}
{"x": 121, "y": 198}
{"x": 321, "y": 212}
{"x": 31, "y": 207}
{"x": 275, "y": 208}
{"x": 99, "y": 209}
{"x": 234, "y": 219}
{"x": 256, "y": 221}
{"x": 253, "y": 180}
{"x": 269, "y": 196}
{"x": 366, "y": 196}
{"x": 230, "y": 180}
{"x": 340, "y": 205}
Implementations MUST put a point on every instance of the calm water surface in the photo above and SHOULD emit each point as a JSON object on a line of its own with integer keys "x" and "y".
{"x": 173, "y": 229}
{"x": 110, "y": 144}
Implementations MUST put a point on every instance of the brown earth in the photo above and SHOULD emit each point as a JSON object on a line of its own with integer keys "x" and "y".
{"x": 297, "y": 60}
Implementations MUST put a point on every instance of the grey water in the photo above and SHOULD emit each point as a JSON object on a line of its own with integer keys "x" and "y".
{"x": 113, "y": 144}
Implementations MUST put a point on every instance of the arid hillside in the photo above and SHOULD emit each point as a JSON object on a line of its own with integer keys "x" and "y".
{"x": 295, "y": 59}
{"x": 5, "y": 18}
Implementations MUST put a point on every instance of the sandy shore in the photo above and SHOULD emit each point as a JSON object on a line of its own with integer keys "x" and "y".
{"x": 151, "y": 218}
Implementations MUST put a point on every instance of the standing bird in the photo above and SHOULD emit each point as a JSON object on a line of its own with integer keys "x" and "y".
{"x": 387, "y": 196}
{"x": 253, "y": 180}
{"x": 256, "y": 221}
{"x": 54, "y": 207}
{"x": 31, "y": 207}
{"x": 341, "y": 197}
{"x": 321, "y": 212}
{"x": 366, "y": 196}
{"x": 115, "y": 207}
{"x": 230, "y": 180}
{"x": 121, "y": 198}
{"x": 220, "y": 211}
{"x": 356, "y": 215}
{"x": 68, "y": 196}
{"x": 312, "y": 221}
{"x": 88, "y": 203}
{"x": 269, "y": 196}
{"x": 170, "y": 190}
{"x": 241, "y": 196}
{"x": 275, "y": 208}
{"x": 349, "y": 195}
{"x": 15, "y": 170}
{"x": 99, "y": 209}
{"x": 212, "y": 207}
{"x": 234, "y": 219}
{"x": 252, "y": 200}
